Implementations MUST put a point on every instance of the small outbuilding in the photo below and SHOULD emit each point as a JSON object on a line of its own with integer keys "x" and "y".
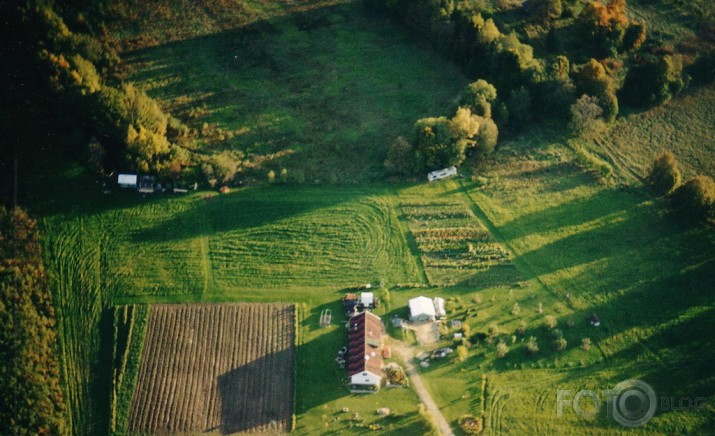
{"x": 421, "y": 309}
{"x": 593, "y": 320}
{"x": 442, "y": 174}
{"x": 127, "y": 181}
{"x": 439, "y": 310}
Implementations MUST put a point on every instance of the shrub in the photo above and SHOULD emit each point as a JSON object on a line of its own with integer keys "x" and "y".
{"x": 400, "y": 157}
{"x": 560, "y": 344}
{"x": 492, "y": 329}
{"x": 664, "y": 175}
{"x": 502, "y": 349}
{"x": 586, "y": 116}
{"x": 532, "y": 347}
{"x": 586, "y": 344}
{"x": 478, "y": 97}
{"x": 521, "y": 328}
{"x": 271, "y": 176}
{"x": 550, "y": 322}
{"x": 695, "y": 199}
{"x": 284, "y": 175}
{"x": 635, "y": 36}
{"x": 462, "y": 353}
{"x": 551, "y": 9}
{"x": 298, "y": 176}
{"x": 471, "y": 425}
{"x": 487, "y": 136}
{"x": 515, "y": 310}
{"x": 396, "y": 375}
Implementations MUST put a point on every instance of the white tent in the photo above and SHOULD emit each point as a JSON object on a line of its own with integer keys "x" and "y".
{"x": 421, "y": 309}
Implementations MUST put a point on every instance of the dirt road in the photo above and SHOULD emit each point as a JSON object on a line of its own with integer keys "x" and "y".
{"x": 407, "y": 356}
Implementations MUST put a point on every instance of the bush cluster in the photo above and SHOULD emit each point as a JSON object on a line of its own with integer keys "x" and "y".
{"x": 694, "y": 200}
{"x": 31, "y": 400}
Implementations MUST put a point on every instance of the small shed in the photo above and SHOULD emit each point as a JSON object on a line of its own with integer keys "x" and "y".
{"x": 439, "y": 311}
{"x": 127, "y": 181}
{"x": 421, "y": 309}
{"x": 442, "y": 174}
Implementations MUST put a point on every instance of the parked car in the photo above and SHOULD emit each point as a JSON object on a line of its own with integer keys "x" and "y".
{"x": 442, "y": 352}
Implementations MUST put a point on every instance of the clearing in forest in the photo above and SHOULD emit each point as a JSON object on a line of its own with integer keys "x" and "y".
{"x": 224, "y": 368}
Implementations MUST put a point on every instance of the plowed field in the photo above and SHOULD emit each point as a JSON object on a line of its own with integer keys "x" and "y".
{"x": 226, "y": 368}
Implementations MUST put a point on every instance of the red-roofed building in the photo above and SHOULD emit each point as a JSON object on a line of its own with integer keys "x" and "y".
{"x": 364, "y": 360}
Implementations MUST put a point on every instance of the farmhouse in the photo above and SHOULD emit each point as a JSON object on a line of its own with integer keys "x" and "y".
{"x": 364, "y": 359}
{"x": 421, "y": 309}
{"x": 442, "y": 174}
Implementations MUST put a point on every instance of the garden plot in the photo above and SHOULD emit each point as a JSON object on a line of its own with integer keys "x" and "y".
{"x": 455, "y": 248}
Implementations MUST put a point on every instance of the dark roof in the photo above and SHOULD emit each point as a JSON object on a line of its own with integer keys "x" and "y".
{"x": 364, "y": 332}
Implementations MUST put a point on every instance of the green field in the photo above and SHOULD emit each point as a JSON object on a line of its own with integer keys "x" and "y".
{"x": 322, "y": 89}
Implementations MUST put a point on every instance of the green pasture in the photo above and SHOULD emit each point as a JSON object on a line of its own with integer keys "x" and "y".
{"x": 609, "y": 250}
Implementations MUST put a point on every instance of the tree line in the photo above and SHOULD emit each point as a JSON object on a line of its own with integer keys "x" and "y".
{"x": 31, "y": 401}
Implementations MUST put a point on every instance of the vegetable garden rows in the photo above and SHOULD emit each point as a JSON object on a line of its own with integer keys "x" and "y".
{"x": 454, "y": 247}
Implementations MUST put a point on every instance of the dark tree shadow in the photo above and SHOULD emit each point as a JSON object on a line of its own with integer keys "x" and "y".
{"x": 258, "y": 396}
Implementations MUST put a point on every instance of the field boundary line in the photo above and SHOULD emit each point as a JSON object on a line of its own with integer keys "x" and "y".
{"x": 206, "y": 262}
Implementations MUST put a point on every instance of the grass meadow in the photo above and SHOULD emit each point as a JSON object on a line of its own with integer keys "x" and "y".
{"x": 320, "y": 88}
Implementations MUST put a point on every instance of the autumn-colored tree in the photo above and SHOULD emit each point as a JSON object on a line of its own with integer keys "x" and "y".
{"x": 664, "y": 175}
{"x": 478, "y": 97}
{"x": 694, "y": 200}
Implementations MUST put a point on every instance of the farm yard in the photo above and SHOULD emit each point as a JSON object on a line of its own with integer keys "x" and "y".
{"x": 225, "y": 368}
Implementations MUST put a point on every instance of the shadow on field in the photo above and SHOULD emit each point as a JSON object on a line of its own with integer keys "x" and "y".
{"x": 258, "y": 395}
{"x": 580, "y": 211}
{"x": 245, "y": 209}
{"x": 320, "y": 379}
